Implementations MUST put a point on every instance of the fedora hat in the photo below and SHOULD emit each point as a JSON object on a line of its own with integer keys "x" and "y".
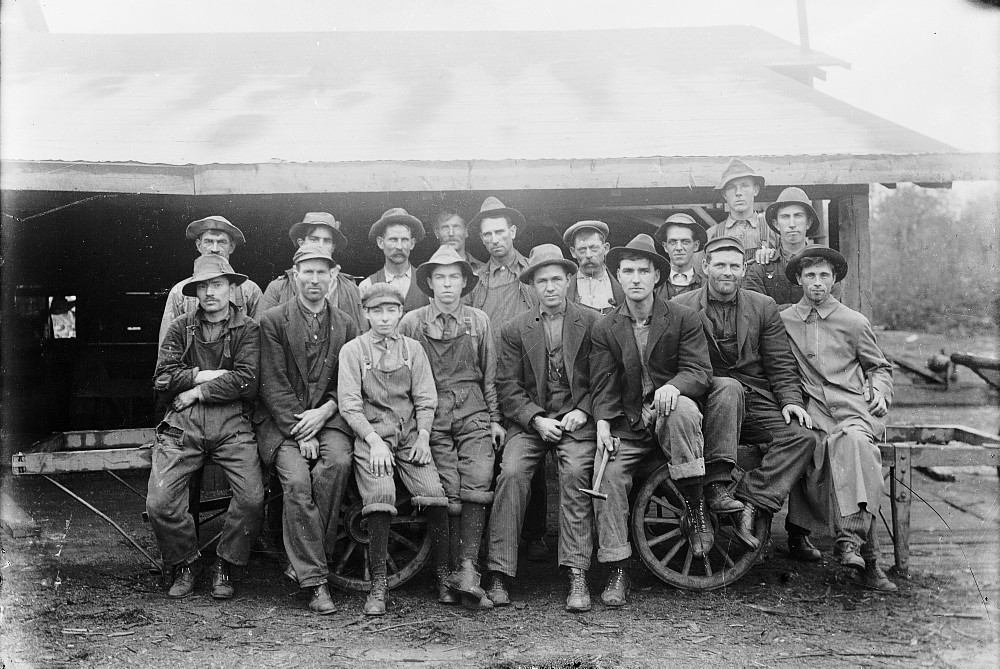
{"x": 397, "y": 216}
{"x": 380, "y": 293}
{"x": 644, "y": 246}
{"x": 789, "y": 196}
{"x": 736, "y": 169}
{"x": 699, "y": 232}
{"x": 196, "y": 228}
{"x": 313, "y": 252}
{"x": 573, "y": 230}
{"x": 445, "y": 255}
{"x": 298, "y": 230}
{"x": 494, "y": 208}
{"x": 211, "y": 267}
{"x": 838, "y": 261}
{"x": 543, "y": 255}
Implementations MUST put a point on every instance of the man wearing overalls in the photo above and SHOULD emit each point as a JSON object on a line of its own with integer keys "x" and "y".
{"x": 459, "y": 343}
{"x": 208, "y": 370}
{"x": 387, "y": 397}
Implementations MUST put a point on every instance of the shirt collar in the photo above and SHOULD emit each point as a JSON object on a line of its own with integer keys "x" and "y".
{"x": 517, "y": 263}
{"x": 309, "y": 314}
{"x": 722, "y": 299}
{"x": 435, "y": 311}
{"x": 689, "y": 273}
{"x": 378, "y": 339}
{"x": 389, "y": 275}
{"x": 603, "y": 277}
{"x": 730, "y": 221}
{"x": 803, "y": 308}
{"x": 559, "y": 312}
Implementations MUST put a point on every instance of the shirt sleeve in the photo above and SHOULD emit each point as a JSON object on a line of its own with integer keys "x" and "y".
{"x": 422, "y": 388}
{"x": 349, "y": 374}
{"x": 243, "y": 380}
{"x": 252, "y": 299}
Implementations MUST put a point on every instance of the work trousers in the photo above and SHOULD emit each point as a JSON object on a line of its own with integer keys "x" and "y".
{"x": 378, "y": 493}
{"x": 463, "y": 456}
{"x": 177, "y": 456}
{"x": 312, "y": 494}
{"x": 724, "y": 411}
{"x": 522, "y": 455}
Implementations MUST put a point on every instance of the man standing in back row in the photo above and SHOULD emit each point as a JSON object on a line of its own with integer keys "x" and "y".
{"x": 740, "y": 186}
{"x": 593, "y": 286}
{"x": 396, "y": 233}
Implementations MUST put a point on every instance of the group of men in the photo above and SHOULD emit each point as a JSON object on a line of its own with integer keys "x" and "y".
{"x": 458, "y": 377}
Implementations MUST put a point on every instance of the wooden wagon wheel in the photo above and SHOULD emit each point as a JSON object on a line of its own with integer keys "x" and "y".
{"x": 409, "y": 544}
{"x": 657, "y": 522}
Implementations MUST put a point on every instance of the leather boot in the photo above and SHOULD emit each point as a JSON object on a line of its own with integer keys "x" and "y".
{"x": 445, "y": 595}
{"x": 222, "y": 584}
{"x": 185, "y": 577}
{"x": 578, "y": 599}
{"x": 497, "y": 591}
{"x": 454, "y": 542}
{"x": 696, "y": 526}
{"x": 466, "y": 579}
{"x": 616, "y": 591}
{"x": 845, "y": 552}
{"x": 874, "y": 578}
{"x": 378, "y": 547}
{"x": 320, "y": 600}
{"x": 718, "y": 499}
{"x": 800, "y": 548}
{"x": 746, "y": 526}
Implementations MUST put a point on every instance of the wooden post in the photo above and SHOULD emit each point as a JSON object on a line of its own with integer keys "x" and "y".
{"x": 849, "y": 234}
{"x": 901, "y": 478}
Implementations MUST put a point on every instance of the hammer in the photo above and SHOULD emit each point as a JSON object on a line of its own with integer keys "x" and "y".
{"x": 595, "y": 492}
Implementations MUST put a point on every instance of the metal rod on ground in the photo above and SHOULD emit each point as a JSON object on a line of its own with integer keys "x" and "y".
{"x": 100, "y": 513}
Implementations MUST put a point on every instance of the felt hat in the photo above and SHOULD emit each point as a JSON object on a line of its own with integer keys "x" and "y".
{"x": 642, "y": 245}
{"x": 736, "y": 169}
{"x": 397, "y": 216}
{"x": 380, "y": 293}
{"x": 196, "y": 228}
{"x": 313, "y": 218}
{"x": 838, "y": 261}
{"x": 699, "y": 232}
{"x": 445, "y": 255}
{"x": 571, "y": 231}
{"x": 313, "y": 252}
{"x": 789, "y": 196}
{"x": 494, "y": 208}
{"x": 211, "y": 267}
{"x": 720, "y": 243}
{"x": 543, "y": 255}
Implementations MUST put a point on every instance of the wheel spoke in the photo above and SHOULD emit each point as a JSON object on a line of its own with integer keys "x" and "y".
{"x": 664, "y": 503}
{"x": 724, "y": 553}
{"x": 342, "y": 562}
{"x": 403, "y": 540}
{"x": 671, "y": 553}
{"x": 708, "y": 565}
{"x": 663, "y": 537}
{"x": 391, "y": 564}
{"x": 654, "y": 520}
{"x": 687, "y": 561}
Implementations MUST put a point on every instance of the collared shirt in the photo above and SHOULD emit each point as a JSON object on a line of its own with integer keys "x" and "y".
{"x": 317, "y": 338}
{"x": 595, "y": 293}
{"x": 210, "y": 332}
{"x": 558, "y": 396}
{"x": 682, "y": 278}
{"x": 400, "y": 281}
{"x": 752, "y": 233}
{"x": 722, "y": 314}
{"x": 499, "y": 290}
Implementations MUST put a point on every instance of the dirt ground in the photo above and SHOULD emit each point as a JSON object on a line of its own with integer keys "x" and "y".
{"x": 78, "y": 595}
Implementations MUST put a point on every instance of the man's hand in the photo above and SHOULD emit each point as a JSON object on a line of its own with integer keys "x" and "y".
{"x": 186, "y": 399}
{"x": 765, "y": 254}
{"x": 548, "y": 428}
{"x": 498, "y": 435}
{"x": 206, "y": 375}
{"x": 605, "y": 440}
{"x": 793, "y": 410}
{"x": 420, "y": 449}
{"x": 310, "y": 422}
{"x": 665, "y": 399}
{"x": 877, "y": 405}
{"x": 379, "y": 456}
{"x": 573, "y": 421}
{"x": 309, "y": 448}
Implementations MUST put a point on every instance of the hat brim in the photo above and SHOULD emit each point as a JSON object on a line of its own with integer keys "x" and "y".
{"x": 298, "y": 231}
{"x": 614, "y": 258}
{"x": 742, "y": 175}
{"x": 329, "y": 259}
{"x": 195, "y": 231}
{"x": 575, "y": 229}
{"x": 423, "y": 276}
{"x": 412, "y": 222}
{"x": 191, "y": 287}
{"x": 528, "y": 275}
{"x": 513, "y": 215}
{"x": 838, "y": 261}
{"x": 700, "y": 233}
{"x": 771, "y": 216}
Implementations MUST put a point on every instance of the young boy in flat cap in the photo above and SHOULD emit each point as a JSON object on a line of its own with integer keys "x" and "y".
{"x": 388, "y": 398}
{"x": 208, "y": 369}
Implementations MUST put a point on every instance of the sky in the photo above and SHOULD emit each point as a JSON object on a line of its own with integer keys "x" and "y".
{"x": 930, "y": 65}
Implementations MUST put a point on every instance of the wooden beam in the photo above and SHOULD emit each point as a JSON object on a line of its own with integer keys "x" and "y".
{"x": 62, "y": 462}
{"x": 853, "y": 240}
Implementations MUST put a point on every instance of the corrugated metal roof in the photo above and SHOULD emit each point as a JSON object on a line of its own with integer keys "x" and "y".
{"x": 339, "y": 97}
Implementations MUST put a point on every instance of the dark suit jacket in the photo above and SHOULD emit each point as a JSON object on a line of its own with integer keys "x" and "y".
{"x": 522, "y": 366}
{"x": 284, "y": 390}
{"x": 618, "y": 294}
{"x": 766, "y": 363}
{"x": 676, "y": 353}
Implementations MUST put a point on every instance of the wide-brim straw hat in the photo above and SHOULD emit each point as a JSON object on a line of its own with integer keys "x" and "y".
{"x": 196, "y": 228}
{"x": 836, "y": 259}
{"x": 644, "y": 246}
{"x": 737, "y": 169}
{"x": 699, "y": 232}
{"x": 313, "y": 218}
{"x": 445, "y": 255}
{"x": 211, "y": 267}
{"x": 397, "y": 216}
{"x": 494, "y": 208}
{"x": 789, "y": 196}
{"x": 544, "y": 255}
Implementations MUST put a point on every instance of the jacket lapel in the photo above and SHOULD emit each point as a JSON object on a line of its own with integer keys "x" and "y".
{"x": 621, "y": 327}
{"x": 658, "y": 325}
{"x": 742, "y": 322}
{"x": 707, "y": 322}
{"x": 534, "y": 343}
{"x": 573, "y": 331}
{"x": 297, "y": 340}
{"x": 336, "y": 341}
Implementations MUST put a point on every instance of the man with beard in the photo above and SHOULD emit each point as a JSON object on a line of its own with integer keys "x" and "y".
{"x": 593, "y": 286}
{"x": 396, "y": 233}
{"x": 681, "y": 238}
{"x": 740, "y": 186}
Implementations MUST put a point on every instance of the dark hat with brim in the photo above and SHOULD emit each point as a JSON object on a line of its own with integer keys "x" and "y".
{"x": 642, "y": 245}
{"x": 683, "y": 220}
{"x": 544, "y": 255}
{"x": 736, "y": 170}
{"x": 445, "y": 255}
{"x": 380, "y": 293}
{"x": 313, "y": 218}
{"x": 313, "y": 252}
{"x": 790, "y": 196}
{"x": 196, "y": 228}
{"x": 838, "y": 261}
{"x": 211, "y": 267}
{"x": 494, "y": 208}
{"x": 593, "y": 226}
{"x": 397, "y": 216}
{"x": 725, "y": 243}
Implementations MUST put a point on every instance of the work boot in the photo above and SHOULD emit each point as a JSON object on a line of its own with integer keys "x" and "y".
{"x": 320, "y": 601}
{"x": 466, "y": 579}
{"x": 845, "y": 552}
{"x": 746, "y": 526}
{"x": 497, "y": 590}
{"x": 378, "y": 547}
{"x": 222, "y": 585}
{"x": 718, "y": 499}
{"x": 800, "y": 548}
{"x": 578, "y": 599}
{"x": 616, "y": 591}
{"x": 454, "y": 542}
{"x": 445, "y": 594}
{"x": 874, "y": 578}
{"x": 375, "y": 603}
{"x": 185, "y": 577}
{"x": 537, "y": 550}
{"x": 696, "y": 527}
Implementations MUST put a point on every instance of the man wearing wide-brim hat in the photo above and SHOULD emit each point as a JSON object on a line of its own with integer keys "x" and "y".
{"x": 592, "y": 286}
{"x": 450, "y": 228}
{"x": 301, "y": 434}
{"x": 322, "y": 229}
{"x": 740, "y": 185}
{"x": 848, "y": 386}
{"x": 649, "y": 367}
{"x": 681, "y": 238}
{"x": 544, "y": 384}
{"x": 208, "y": 371}
{"x": 459, "y": 343}
{"x": 396, "y": 232}
{"x": 212, "y": 235}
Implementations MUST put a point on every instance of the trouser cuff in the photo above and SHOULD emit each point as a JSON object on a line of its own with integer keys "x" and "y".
{"x": 476, "y": 496}
{"x": 422, "y": 501}
{"x": 376, "y": 507}
{"x": 614, "y": 554}
{"x": 719, "y": 471}
{"x": 687, "y": 470}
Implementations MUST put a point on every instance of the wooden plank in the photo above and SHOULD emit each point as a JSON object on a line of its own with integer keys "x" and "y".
{"x": 100, "y": 439}
{"x": 96, "y": 177}
{"x": 119, "y": 459}
{"x": 15, "y": 520}
{"x": 940, "y": 434}
{"x": 854, "y": 242}
{"x": 900, "y": 481}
